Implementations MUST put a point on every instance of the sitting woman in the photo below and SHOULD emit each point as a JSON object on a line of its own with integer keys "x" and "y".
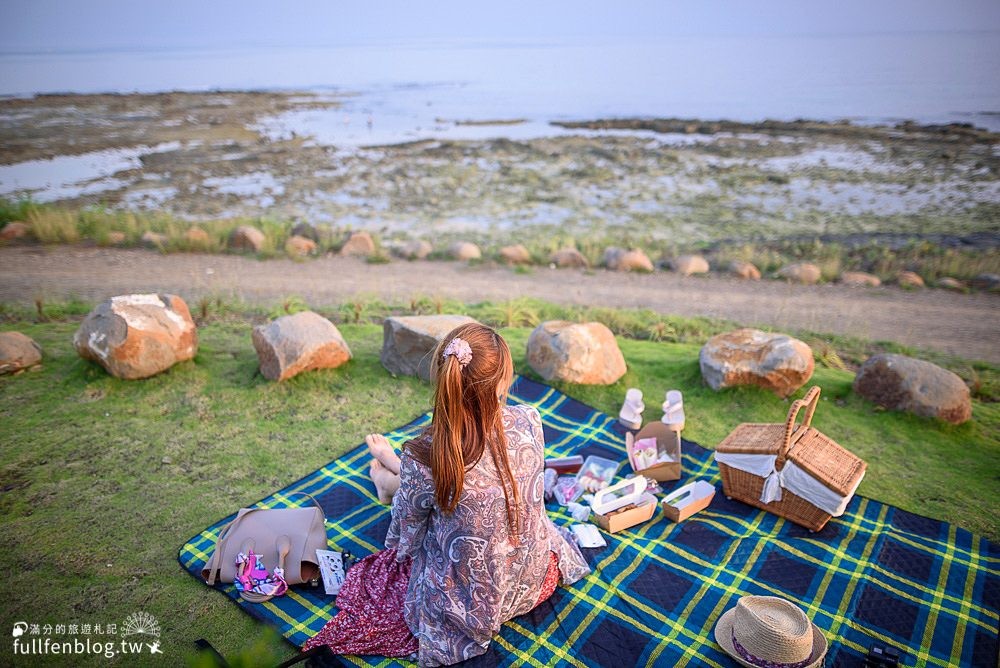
{"x": 469, "y": 545}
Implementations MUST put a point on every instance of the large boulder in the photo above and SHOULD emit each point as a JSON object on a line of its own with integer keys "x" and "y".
{"x": 903, "y": 383}
{"x": 611, "y": 256}
{"x": 583, "y": 353}
{"x": 569, "y": 258}
{"x": 908, "y": 279}
{"x": 322, "y": 233}
{"x": 860, "y": 279}
{"x": 247, "y": 238}
{"x": 415, "y": 250}
{"x": 154, "y": 240}
{"x": 748, "y": 271}
{"x": 409, "y": 341}
{"x": 801, "y": 272}
{"x": 516, "y": 254}
{"x": 358, "y": 243}
{"x": 464, "y": 251}
{"x": 686, "y": 265}
{"x": 949, "y": 283}
{"x": 619, "y": 259}
{"x": 14, "y": 230}
{"x": 197, "y": 237}
{"x": 635, "y": 260}
{"x": 18, "y": 352}
{"x": 776, "y": 362}
{"x": 297, "y": 246}
{"x": 988, "y": 282}
{"x": 300, "y": 342}
{"x": 307, "y": 230}
{"x": 137, "y": 336}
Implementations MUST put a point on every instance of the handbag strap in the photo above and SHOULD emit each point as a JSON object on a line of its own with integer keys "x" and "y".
{"x": 213, "y": 562}
{"x": 313, "y": 499}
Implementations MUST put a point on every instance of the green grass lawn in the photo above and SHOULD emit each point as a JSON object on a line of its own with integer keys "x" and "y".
{"x": 102, "y": 479}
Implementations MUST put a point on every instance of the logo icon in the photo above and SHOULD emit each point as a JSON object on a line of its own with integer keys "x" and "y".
{"x": 19, "y": 629}
{"x": 141, "y": 622}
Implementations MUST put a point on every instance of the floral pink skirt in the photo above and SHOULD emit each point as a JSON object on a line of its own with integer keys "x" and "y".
{"x": 370, "y": 616}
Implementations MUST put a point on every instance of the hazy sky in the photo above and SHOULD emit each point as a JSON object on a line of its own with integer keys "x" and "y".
{"x": 29, "y": 25}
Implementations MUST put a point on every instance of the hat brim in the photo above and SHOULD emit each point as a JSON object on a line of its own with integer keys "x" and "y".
{"x": 724, "y": 636}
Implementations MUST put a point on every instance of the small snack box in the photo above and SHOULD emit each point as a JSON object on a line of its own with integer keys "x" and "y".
{"x": 596, "y": 473}
{"x": 618, "y": 495}
{"x": 685, "y": 501}
{"x": 566, "y": 490}
{"x": 665, "y": 463}
{"x": 564, "y": 465}
{"x": 619, "y": 520}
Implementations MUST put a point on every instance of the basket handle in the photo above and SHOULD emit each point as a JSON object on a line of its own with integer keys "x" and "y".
{"x": 809, "y": 402}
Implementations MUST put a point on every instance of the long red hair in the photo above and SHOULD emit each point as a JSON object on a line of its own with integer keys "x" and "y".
{"x": 468, "y": 417}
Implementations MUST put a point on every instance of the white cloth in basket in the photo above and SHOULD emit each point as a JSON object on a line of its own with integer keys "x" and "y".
{"x": 791, "y": 477}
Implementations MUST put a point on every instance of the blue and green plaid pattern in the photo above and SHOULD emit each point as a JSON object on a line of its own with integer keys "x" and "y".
{"x": 877, "y": 574}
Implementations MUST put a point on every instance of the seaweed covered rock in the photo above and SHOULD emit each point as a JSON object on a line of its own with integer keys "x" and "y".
{"x": 583, "y": 353}
{"x": 137, "y": 336}
{"x": 776, "y": 362}
{"x": 296, "y": 343}
{"x": 907, "y": 384}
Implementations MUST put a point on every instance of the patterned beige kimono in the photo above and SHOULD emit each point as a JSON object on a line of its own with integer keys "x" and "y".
{"x": 467, "y": 577}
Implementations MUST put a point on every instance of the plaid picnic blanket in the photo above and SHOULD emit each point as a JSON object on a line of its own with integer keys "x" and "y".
{"x": 877, "y": 574}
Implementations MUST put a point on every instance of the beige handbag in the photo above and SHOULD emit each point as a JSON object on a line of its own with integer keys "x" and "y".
{"x": 305, "y": 528}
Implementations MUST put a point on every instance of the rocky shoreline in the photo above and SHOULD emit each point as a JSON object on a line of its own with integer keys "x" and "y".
{"x": 666, "y": 186}
{"x": 906, "y": 130}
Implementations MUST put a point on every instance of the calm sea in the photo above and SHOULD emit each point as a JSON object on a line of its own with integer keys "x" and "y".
{"x": 404, "y": 88}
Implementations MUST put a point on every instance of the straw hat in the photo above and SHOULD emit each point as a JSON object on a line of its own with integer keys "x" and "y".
{"x": 769, "y": 631}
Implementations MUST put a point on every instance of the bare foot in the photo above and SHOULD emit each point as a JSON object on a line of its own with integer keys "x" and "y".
{"x": 382, "y": 450}
{"x": 386, "y": 482}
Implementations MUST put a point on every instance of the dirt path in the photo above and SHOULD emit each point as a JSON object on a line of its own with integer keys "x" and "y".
{"x": 961, "y": 324}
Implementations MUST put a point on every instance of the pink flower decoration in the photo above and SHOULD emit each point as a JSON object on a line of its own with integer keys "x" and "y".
{"x": 461, "y": 349}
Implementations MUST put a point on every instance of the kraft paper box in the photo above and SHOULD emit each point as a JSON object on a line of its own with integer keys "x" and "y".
{"x": 685, "y": 501}
{"x": 667, "y": 441}
{"x": 619, "y": 521}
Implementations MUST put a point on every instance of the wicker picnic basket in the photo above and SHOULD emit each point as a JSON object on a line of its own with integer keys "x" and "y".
{"x": 817, "y": 454}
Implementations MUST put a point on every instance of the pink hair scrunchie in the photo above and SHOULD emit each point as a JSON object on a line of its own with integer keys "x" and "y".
{"x": 461, "y": 349}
